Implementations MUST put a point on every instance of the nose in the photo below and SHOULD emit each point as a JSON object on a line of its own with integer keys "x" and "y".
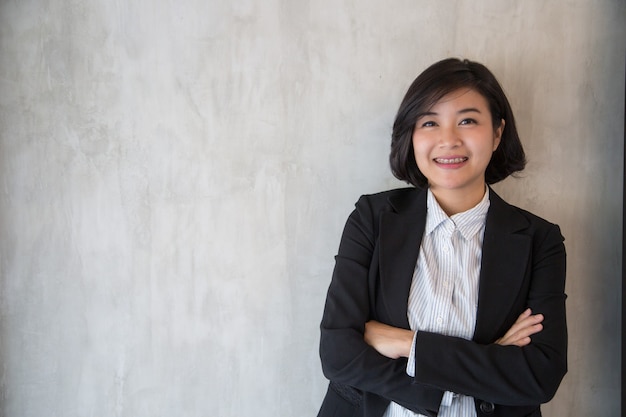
{"x": 449, "y": 137}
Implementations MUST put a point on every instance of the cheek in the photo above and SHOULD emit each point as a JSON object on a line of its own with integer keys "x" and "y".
{"x": 417, "y": 153}
{"x": 418, "y": 147}
{"x": 420, "y": 153}
{"x": 420, "y": 158}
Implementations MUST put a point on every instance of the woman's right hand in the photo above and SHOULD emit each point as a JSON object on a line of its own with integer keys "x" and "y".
{"x": 519, "y": 334}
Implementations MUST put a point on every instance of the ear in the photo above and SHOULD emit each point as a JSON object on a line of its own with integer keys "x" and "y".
{"x": 497, "y": 135}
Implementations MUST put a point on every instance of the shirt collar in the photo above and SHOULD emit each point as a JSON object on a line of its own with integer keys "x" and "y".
{"x": 468, "y": 222}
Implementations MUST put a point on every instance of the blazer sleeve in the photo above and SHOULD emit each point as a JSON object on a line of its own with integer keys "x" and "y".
{"x": 346, "y": 358}
{"x": 508, "y": 375}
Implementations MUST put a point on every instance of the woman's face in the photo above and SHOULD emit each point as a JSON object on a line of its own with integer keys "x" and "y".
{"x": 453, "y": 143}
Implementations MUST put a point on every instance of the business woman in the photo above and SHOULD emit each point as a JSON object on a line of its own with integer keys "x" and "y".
{"x": 445, "y": 300}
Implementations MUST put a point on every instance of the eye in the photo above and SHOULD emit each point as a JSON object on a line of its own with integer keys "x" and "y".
{"x": 428, "y": 123}
{"x": 468, "y": 122}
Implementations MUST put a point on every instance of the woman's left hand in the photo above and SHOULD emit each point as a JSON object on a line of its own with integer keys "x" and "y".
{"x": 389, "y": 341}
{"x": 527, "y": 324}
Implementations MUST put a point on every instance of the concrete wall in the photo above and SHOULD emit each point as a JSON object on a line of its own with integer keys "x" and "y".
{"x": 175, "y": 175}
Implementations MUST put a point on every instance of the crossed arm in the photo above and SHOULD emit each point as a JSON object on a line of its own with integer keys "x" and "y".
{"x": 394, "y": 342}
{"x": 356, "y": 352}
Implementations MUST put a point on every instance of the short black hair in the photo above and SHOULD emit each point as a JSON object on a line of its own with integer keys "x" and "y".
{"x": 429, "y": 87}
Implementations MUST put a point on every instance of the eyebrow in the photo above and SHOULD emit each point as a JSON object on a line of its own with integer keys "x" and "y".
{"x": 469, "y": 110}
{"x": 462, "y": 111}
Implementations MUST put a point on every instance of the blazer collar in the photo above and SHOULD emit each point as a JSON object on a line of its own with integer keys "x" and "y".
{"x": 501, "y": 275}
{"x": 505, "y": 260}
{"x": 401, "y": 233}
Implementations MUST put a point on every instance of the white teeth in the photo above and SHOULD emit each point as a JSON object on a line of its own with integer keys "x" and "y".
{"x": 450, "y": 161}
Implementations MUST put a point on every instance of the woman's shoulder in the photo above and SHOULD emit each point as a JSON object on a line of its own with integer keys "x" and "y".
{"x": 532, "y": 217}
{"x": 535, "y": 223}
{"x": 393, "y": 193}
{"x": 393, "y": 199}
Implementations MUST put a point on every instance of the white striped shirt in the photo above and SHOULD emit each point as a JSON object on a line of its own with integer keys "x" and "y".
{"x": 444, "y": 292}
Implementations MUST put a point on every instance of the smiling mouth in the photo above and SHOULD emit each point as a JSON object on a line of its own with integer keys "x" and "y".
{"x": 450, "y": 160}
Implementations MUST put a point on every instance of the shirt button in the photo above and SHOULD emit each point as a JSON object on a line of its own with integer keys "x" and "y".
{"x": 439, "y": 320}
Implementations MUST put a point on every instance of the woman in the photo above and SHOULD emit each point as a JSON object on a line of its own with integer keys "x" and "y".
{"x": 445, "y": 300}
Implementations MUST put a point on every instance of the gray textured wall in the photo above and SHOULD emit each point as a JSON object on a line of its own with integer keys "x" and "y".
{"x": 174, "y": 178}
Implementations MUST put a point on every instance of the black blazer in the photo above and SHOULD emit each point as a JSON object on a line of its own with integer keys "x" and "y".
{"x": 523, "y": 265}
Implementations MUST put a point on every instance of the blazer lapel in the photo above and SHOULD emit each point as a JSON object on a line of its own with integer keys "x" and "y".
{"x": 505, "y": 259}
{"x": 400, "y": 238}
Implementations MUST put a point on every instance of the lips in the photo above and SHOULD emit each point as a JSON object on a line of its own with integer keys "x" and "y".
{"x": 455, "y": 160}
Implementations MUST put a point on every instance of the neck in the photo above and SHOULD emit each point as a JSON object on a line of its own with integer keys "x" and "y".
{"x": 454, "y": 201}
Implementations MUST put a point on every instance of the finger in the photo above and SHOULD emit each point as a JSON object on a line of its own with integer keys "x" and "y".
{"x": 520, "y": 321}
{"x": 524, "y": 314}
{"x": 525, "y": 326}
{"x": 525, "y": 322}
{"x": 522, "y": 342}
{"x": 522, "y": 337}
{"x": 527, "y": 329}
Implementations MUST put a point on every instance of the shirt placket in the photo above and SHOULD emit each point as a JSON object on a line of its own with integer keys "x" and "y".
{"x": 445, "y": 282}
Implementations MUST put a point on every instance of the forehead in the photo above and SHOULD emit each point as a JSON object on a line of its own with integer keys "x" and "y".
{"x": 462, "y": 98}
